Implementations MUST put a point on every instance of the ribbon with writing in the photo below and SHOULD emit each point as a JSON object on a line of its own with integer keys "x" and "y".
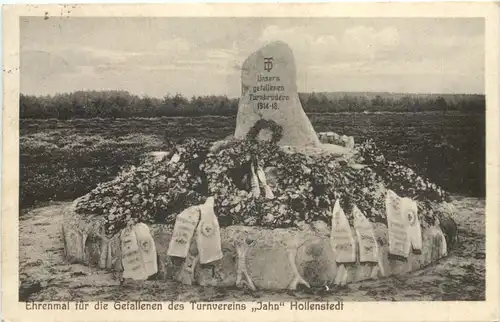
{"x": 138, "y": 252}
{"x": 184, "y": 228}
{"x": 208, "y": 234}
{"x": 399, "y": 240}
{"x": 341, "y": 237}
{"x": 410, "y": 213}
{"x": 147, "y": 248}
{"x": 368, "y": 246}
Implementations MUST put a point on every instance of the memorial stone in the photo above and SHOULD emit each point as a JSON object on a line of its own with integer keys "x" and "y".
{"x": 269, "y": 91}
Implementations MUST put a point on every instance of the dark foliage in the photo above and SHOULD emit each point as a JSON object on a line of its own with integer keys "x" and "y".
{"x": 119, "y": 104}
{"x": 305, "y": 190}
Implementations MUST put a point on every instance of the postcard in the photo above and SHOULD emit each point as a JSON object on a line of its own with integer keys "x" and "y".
{"x": 242, "y": 162}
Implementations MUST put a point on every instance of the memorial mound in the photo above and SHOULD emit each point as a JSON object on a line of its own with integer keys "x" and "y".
{"x": 270, "y": 207}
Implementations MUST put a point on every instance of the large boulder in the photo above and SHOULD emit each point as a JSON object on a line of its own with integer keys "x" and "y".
{"x": 269, "y": 91}
{"x": 445, "y": 214}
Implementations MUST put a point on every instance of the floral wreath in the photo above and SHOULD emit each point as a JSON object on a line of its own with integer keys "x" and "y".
{"x": 275, "y": 128}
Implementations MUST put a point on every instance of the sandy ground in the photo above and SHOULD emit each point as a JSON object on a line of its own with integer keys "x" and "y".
{"x": 44, "y": 275}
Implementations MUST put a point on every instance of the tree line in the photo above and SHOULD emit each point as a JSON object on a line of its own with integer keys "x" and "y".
{"x": 121, "y": 104}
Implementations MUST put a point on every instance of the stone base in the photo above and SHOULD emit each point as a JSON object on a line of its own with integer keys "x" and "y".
{"x": 253, "y": 256}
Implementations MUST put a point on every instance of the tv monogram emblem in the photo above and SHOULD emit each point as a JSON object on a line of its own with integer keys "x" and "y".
{"x": 268, "y": 63}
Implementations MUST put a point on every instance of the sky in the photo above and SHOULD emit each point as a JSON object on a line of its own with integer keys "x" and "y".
{"x": 202, "y": 56}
